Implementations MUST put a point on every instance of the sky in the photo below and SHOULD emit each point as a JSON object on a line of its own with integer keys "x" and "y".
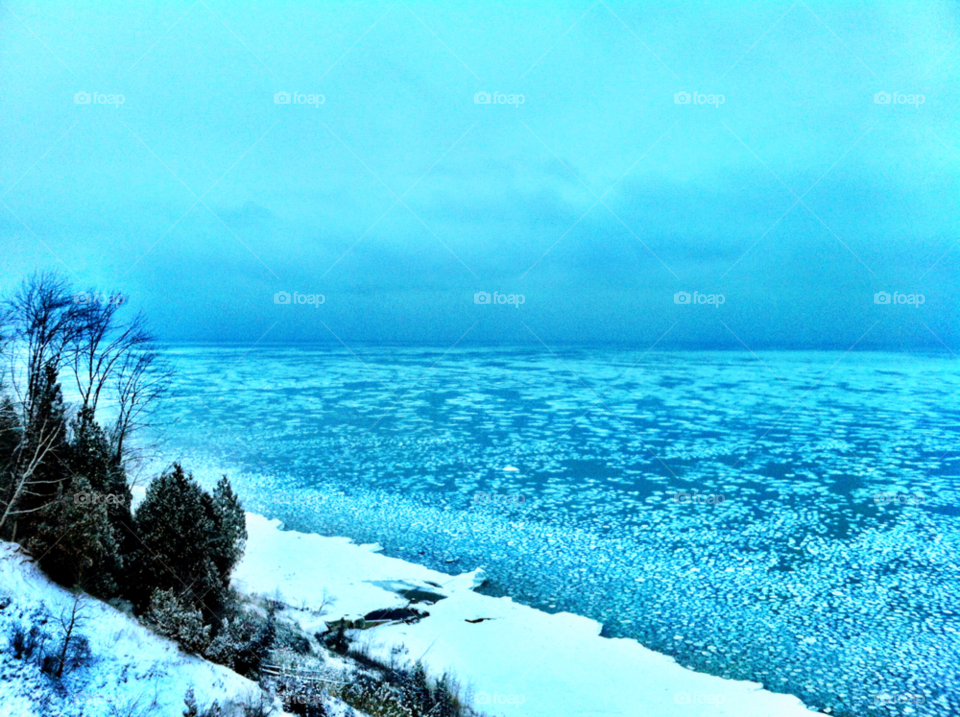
{"x": 744, "y": 175}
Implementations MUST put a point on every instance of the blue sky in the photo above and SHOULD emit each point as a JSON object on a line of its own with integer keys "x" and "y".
{"x": 798, "y": 197}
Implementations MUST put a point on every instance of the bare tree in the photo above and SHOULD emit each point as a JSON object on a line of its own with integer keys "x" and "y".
{"x": 69, "y": 621}
{"x": 121, "y": 359}
{"x": 45, "y": 320}
{"x": 140, "y": 379}
{"x": 6, "y": 335}
{"x": 113, "y": 363}
{"x": 24, "y": 484}
{"x": 326, "y": 601}
{"x": 98, "y": 345}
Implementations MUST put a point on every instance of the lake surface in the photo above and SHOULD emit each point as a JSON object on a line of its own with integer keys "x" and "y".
{"x": 790, "y": 518}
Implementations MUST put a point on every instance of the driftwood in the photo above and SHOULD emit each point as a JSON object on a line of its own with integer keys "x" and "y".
{"x": 392, "y": 616}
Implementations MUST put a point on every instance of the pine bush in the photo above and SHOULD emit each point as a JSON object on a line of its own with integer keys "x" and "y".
{"x": 170, "y": 617}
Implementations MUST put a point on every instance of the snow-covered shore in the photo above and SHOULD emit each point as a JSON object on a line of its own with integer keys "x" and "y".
{"x": 517, "y": 660}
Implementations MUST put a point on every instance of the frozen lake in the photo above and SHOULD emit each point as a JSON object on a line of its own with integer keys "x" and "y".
{"x": 790, "y": 518}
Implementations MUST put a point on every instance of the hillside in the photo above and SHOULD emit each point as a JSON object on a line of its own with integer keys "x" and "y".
{"x": 129, "y": 670}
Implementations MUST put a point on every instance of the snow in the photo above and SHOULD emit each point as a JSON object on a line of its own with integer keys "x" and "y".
{"x": 131, "y": 665}
{"x": 515, "y": 659}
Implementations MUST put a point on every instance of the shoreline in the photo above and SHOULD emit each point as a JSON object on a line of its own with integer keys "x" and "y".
{"x": 510, "y": 656}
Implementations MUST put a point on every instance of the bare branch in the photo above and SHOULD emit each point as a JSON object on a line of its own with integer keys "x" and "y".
{"x": 45, "y": 319}
{"x": 142, "y": 378}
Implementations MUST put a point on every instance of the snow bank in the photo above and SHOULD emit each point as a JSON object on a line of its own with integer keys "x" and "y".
{"x": 517, "y": 660}
{"x": 132, "y": 671}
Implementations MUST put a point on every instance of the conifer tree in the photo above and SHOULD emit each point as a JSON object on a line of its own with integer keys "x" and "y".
{"x": 90, "y": 456}
{"x": 445, "y": 703}
{"x": 419, "y": 690}
{"x": 172, "y": 618}
{"x": 75, "y": 541}
{"x": 11, "y": 432}
{"x": 38, "y": 472}
{"x": 177, "y": 531}
{"x": 190, "y": 542}
{"x": 233, "y": 528}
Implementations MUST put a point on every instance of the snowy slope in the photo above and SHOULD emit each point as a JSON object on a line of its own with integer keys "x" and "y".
{"x": 517, "y": 660}
{"x": 132, "y": 671}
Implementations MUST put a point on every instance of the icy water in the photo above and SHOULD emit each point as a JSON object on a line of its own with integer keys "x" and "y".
{"x": 790, "y": 518}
